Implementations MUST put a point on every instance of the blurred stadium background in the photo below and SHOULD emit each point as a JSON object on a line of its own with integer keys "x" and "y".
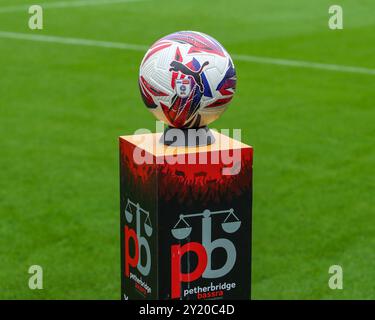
{"x": 62, "y": 107}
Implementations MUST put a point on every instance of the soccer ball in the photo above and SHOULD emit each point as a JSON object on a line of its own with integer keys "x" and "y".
{"x": 187, "y": 79}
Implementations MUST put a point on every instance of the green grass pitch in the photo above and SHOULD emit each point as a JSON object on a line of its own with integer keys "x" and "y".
{"x": 62, "y": 108}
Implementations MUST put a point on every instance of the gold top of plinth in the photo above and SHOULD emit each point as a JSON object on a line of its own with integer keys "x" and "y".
{"x": 150, "y": 142}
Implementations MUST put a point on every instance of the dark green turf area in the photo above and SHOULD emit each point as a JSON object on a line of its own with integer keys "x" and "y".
{"x": 62, "y": 108}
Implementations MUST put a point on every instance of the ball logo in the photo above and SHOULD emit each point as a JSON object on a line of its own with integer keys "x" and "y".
{"x": 183, "y": 87}
{"x": 136, "y": 241}
{"x": 178, "y": 66}
{"x": 202, "y": 250}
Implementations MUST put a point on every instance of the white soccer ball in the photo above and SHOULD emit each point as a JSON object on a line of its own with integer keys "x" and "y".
{"x": 187, "y": 79}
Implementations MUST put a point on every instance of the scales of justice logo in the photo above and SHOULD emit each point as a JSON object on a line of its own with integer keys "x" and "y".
{"x": 134, "y": 209}
{"x": 230, "y": 224}
{"x": 181, "y": 230}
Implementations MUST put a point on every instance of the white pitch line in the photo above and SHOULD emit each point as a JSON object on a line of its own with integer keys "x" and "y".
{"x": 142, "y": 48}
{"x": 64, "y": 4}
{"x": 305, "y": 64}
{"x": 72, "y": 41}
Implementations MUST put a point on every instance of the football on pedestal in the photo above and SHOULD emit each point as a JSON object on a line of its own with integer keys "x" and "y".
{"x": 187, "y": 79}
